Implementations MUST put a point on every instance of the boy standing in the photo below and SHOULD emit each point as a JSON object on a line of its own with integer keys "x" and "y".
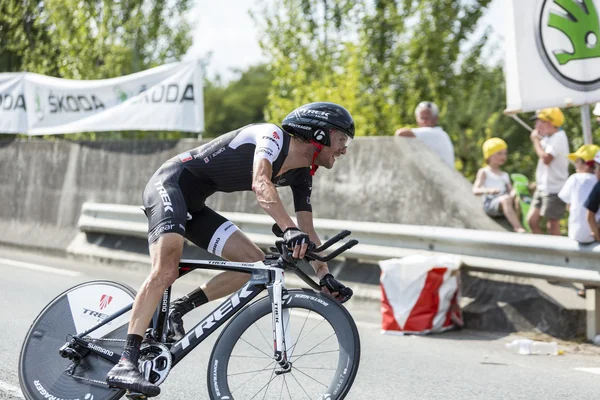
{"x": 576, "y": 191}
{"x": 552, "y": 147}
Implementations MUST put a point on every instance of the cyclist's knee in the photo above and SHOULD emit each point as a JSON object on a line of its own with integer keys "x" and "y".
{"x": 166, "y": 254}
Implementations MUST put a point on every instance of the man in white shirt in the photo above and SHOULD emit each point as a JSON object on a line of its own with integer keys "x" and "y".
{"x": 428, "y": 132}
{"x": 552, "y": 147}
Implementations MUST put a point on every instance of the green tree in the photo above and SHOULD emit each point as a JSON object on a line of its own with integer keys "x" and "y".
{"x": 91, "y": 39}
{"x": 240, "y": 102}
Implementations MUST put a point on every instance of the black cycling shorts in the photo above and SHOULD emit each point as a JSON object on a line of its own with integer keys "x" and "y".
{"x": 174, "y": 200}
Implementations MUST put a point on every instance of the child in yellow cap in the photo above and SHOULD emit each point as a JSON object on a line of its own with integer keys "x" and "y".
{"x": 576, "y": 191}
{"x": 494, "y": 184}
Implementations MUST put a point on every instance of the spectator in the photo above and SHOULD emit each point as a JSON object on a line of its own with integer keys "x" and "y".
{"x": 552, "y": 147}
{"x": 428, "y": 132}
{"x": 592, "y": 204}
{"x": 576, "y": 191}
{"x": 495, "y": 185}
{"x": 596, "y": 112}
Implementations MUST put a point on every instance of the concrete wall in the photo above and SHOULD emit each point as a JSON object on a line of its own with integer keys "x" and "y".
{"x": 394, "y": 180}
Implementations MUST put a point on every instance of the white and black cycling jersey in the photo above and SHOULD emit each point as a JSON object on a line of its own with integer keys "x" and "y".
{"x": 225, "y": 163}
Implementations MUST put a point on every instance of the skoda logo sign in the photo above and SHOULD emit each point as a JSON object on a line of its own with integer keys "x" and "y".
{"x": 567, "y": 34}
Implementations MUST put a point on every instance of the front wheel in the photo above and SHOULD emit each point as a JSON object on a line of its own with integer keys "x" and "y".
{"x": 324, "y": 352}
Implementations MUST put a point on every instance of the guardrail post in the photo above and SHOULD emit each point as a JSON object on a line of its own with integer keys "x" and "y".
{"x": 592, "y": 308}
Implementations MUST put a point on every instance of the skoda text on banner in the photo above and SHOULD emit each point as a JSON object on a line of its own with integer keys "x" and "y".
{"x": 13, "y": 113}
{"x": 552, "y": 54}
{"x": 168, "y": 97}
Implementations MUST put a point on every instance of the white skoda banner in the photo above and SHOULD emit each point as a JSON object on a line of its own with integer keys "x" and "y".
{"x": 168, "y": 97}
{"x": 552, "y": 53}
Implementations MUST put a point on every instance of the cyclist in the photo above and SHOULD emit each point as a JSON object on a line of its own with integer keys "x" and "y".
{"x": 257, "y": 157}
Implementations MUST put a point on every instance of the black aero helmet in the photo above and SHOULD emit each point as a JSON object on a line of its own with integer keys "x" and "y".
{"x": 314, "y": 122}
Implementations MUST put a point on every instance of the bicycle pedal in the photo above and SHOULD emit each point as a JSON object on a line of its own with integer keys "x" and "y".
{"x": 135, "y": 396}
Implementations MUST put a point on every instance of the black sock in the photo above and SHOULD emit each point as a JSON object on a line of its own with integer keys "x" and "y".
{"x": 187, "y": 303}
{"x": 131, "y": 352}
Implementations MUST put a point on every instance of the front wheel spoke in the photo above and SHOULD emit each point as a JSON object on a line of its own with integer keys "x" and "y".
{"x": 251, "y": 345}
{"x": 317, "y": 345}
{"x": 319, "y": 368}
{"x": 287, "y": 387}
{"x": 281, "y": 391}
{"x": 307, "y": 333}
{"x": 312, "y": 354}
{"x": 266, "y": 385}
{"x": 308, "y": 376}
{"x": 301, "y": 387}
{"x": 249, "y": 372}
{"x": 262, "y": 334}
{"x": 290, "y": 350}
{"x": 252, "y": 377}
{"x": 244, "y": 356}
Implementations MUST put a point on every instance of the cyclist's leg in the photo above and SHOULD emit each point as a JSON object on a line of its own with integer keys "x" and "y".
{"x": 211, "y": 231}
{"x": 240, "y": 248}
{"x": 165, "y": 254}
{"x": 167, "y": 211}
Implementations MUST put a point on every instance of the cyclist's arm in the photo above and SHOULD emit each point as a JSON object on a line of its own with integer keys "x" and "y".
{"x": 267, "y": 195}
{"x": 305, "y": 223}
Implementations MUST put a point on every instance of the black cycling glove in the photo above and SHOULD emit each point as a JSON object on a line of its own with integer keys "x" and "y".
{"x": 294, "y": 237}
{"x": 334, "y": 286}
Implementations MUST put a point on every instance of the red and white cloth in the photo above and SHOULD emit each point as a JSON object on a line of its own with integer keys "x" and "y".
{"x": 419, "y": 294}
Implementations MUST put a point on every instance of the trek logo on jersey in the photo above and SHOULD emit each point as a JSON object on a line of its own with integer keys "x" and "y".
{"x": 105, "y": 301}
{"x": 276, "y": 136}
{"x": 166, "y": 200}
{"x": 568, "y": 40}
{"x": 185, "y": 157}
{"x": 269, "y": 138}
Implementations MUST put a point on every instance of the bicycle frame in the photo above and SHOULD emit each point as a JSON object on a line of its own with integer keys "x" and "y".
{"x": 264, "y": 275}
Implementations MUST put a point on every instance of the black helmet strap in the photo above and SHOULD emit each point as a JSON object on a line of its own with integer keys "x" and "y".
{"x": 318, "y": 148}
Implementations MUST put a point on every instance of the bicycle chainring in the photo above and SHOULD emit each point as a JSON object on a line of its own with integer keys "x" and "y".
{"x": 155, "y": 362}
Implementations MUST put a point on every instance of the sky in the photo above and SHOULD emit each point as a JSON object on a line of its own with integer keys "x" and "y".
{"x": 226, "y": 29}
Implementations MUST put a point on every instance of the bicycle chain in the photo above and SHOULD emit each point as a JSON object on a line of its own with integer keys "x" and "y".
{"x": 90, "y": 339}
{"x": 89, "y": 380}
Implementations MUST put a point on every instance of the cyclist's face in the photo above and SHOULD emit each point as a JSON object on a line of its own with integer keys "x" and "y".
{"x": 339, "y": 145}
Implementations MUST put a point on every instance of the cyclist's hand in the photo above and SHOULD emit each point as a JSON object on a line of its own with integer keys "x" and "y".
{"x": 331, "y": 286}
{"x": 296, "y": 241}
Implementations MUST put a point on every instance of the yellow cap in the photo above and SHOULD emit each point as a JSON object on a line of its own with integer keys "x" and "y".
{"x": 492, "y": 146}
{"x": 553, "y": 115}
{"x": 585, "y": 152}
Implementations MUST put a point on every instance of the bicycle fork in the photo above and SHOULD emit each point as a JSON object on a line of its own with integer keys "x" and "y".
{"x": 281, "y": 320}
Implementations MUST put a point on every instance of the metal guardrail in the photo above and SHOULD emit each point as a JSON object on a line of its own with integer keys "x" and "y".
{"x": 536, "y": 256}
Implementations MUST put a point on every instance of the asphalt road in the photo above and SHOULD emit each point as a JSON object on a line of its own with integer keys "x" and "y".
{"x": 455, "y": 365}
